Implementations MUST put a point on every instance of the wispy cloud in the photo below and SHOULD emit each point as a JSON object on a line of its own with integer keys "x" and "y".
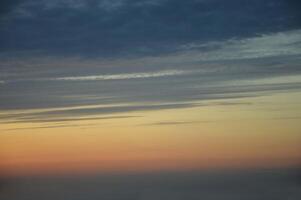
{"x": 82, "y": 114}
{"x": 171, "y": 123}
{"x": 124, "y": 76}
{"x": 140, "y": 56}
{"x": 30, "y": 117}
{"x": 48, "y": 127}
{"x": 263, "y": 46}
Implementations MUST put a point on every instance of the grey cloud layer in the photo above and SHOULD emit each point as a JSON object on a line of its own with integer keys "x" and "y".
{"x": 271, "y": 50}
{"x": 130, "y": 55}
{"x": 237, "y": 69}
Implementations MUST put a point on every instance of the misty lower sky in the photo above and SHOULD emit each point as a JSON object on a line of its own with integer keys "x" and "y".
{"x": 97, "y": 86}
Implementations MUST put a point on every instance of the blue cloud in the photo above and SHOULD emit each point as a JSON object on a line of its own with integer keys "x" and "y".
{"x": 131, "y": 27}
{"x": 143, "y": 55}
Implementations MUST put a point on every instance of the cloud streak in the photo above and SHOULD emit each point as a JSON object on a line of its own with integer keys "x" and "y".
{"x": 130, "y": 56}
{"x": 81, "y": 114}
{"x": 175, "y": 123}
{"x": 123, "y": 76}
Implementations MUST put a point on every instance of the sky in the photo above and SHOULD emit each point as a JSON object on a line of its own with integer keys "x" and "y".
{"x": 132, "y": 85}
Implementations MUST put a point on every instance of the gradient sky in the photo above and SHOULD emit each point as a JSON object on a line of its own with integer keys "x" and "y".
{"x": 131, "y": 85}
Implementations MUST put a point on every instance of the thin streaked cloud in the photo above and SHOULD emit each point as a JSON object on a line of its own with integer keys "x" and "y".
{"x": 124, "y": 76}
{"x": 175, "y": 123}
{"x": 137, "y": 58}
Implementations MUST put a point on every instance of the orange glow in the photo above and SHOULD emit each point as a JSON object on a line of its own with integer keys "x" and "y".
{"x": 214, "y": 136}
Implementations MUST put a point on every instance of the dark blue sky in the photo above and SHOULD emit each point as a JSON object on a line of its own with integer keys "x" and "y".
{"x": 106, "y": 28}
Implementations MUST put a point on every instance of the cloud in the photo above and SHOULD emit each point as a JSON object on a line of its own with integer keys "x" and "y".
{"x": 125, "y": 56}
{"x": 123, "y": 76}
{"x": 244, "y": 55}
{"x": 83, "y": 113}
{"x": 263, "y": 46}
{"x": 130, "y": 27}
{"x": 32, "y": 118}
{"x": 183, "y": 78}
{"x": 171, "y": 123}
{"x": 48, "y": 127}
{"x": 8, "y": 6}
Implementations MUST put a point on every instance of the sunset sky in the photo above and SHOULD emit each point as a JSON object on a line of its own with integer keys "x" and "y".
{"x": 91, "y": 86}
